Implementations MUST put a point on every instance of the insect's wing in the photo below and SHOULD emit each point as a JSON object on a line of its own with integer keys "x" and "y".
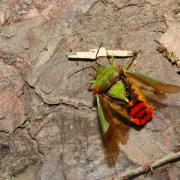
{"x": 136, "y": 110}
{"x": 158, "y": 86}
{"x": 114, "y": 132}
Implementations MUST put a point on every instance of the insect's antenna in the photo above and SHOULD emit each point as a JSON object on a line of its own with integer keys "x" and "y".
{"x": 89, "y": 67}
{"x": 131, "y": 61}
{"x": 98, "y": 52}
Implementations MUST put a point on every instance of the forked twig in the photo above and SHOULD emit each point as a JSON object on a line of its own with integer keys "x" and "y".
{"x": 173, "y": 156}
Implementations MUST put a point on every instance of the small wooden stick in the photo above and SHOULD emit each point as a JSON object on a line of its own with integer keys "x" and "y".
{"x": 140, "y": 170}
{"x": 103, "y": 52}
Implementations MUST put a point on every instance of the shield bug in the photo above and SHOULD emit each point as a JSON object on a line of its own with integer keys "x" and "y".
{"x": 120, "y": 101}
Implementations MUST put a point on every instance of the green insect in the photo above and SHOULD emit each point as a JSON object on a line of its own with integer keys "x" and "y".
{"x": 120, "y": 102}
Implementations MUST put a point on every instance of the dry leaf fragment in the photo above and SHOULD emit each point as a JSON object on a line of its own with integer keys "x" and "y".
{"x": 169, "y": 42}
{"x": 4, "y": 17}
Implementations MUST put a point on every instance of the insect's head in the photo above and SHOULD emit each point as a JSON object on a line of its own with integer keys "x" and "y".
{"x": 95, "y": 90}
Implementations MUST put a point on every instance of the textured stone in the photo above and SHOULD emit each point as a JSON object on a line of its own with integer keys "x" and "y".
{"x": 61, "y": 122}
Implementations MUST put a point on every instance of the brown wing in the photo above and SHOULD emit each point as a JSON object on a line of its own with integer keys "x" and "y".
{"x": 158, "y": 86}
{"x": 116, "y": 133}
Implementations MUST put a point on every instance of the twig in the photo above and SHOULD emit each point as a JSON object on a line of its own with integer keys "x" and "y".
{"x": 102, "y": 52}
{"x": 173, "y": 156}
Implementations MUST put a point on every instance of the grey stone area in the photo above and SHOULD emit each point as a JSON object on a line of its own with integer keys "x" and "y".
{"x": 48, "y": 123}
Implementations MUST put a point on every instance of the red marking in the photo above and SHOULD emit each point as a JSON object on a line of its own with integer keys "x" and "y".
{"x": 95, "y": 90}
{"x": 131, "y": 103}
{"x": 149, "y": 110}
{"x": 118, "y": 68}
{"x": 137, "y": 108}
{"x": 141, "y": 112}
{"x": 136, "y": 121}
{"x": 148, "y": 117}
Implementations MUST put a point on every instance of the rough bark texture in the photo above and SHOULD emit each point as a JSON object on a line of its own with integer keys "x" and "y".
{"x": 48, "y": 124}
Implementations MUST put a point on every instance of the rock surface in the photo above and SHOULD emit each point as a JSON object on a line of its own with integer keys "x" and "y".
{"x": 48, "y": 123}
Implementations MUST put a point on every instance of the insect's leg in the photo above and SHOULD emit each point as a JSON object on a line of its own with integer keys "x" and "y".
{"x": 97, "y": 54}
{"x": 131, "y": 61}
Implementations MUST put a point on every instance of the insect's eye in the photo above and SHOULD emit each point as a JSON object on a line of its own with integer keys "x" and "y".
{"x": 118, "y": 68}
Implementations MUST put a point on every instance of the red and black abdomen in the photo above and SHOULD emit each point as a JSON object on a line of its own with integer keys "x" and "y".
{"x": 139, "y": 112}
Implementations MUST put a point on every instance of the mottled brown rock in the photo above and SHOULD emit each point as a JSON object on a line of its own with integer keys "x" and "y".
{"x": 170, "y": 40}
{"x": 61, "y": 121}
